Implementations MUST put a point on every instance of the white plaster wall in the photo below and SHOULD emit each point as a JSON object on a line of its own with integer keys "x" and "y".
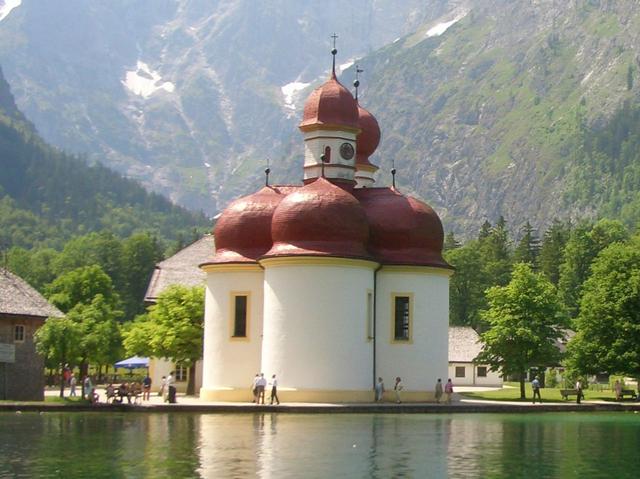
{"x": 425, "y": 359}
{"x": 315, "y": 335}
{"x": 471, "y": 376}
{"x": 229, "y": 362}
{"x": 159, "y": 367}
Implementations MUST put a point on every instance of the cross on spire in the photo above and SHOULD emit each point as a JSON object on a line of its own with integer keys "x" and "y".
{"x": 333, "y": 52}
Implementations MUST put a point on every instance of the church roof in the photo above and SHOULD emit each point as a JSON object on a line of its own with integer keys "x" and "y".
{"x": 464, "y": 344}
{"x": 181, "y": 268}
{"x": 18, "y": 298}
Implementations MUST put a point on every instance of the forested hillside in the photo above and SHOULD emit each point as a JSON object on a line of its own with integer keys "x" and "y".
{"x": 48, "y": 196}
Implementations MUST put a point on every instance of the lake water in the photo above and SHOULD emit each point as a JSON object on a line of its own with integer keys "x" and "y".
{"x": 184, "y": 445}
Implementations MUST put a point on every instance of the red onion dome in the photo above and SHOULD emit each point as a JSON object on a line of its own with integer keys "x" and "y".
{"x": 330, "y": 105}
{"x": 243, "y": 231}
{"x": 402, "y": 229}
{"x": 369, "y": 137}
{"x": 319, "y": 219}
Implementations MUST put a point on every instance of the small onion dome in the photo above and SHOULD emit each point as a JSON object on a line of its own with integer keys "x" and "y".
{"x": 403, "y": 230}
{"x": 369, "y": 137}
{"x": 319, "y": 219}
{"x": 330, "y": 105}
{"x": 243, "y": 231}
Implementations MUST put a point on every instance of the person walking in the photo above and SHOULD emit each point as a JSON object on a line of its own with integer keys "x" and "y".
{"x": 535, "y": 385}
{"x": 578, "y": 391}
{"x": 448, "y": 391}
{"x": 438, "y": 390}
{"x": 379, "y": 390}
{"x": 397, "y": 387}
{"x": 73, "y": 381}
{"x": 274, "y": 390}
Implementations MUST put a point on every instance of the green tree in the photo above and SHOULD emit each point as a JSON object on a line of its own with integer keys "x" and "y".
{"x": 80, "y": 286}
{"x": 172, "y": 328}
{"x": 450, "y": 241}
{"x": 528, "y": 248}
{"x": 608, "y": 326}
{"x": 552, "y": 250}
{"x": 584, "y": 244}
{"x": 525, "y": 320}
{"x": 496, "y": 250}
{"x": 140, "y": 253}
{"x": 57, "y": 341}
{"x": 467, "y": 285}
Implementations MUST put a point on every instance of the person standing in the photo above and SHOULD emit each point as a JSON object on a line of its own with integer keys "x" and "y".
{"x": 146, "y": 387}
{"x": 261, "y": 385}
{"x": 87, "y": 388}
{"x": 397, "y": 387}
{"x": 617, "y": 387}
{"x": 535, "y": 385}
{"x": 379, "y": 390}
{"x": 171, "y": 389}
{"x": 163, "y": 387}
{"x": 578, "y": 391}
{"x": 73, "y": 381}
{"x": 274, "y": 389}
{"x": 448, "y": 391}
{"x": 254, "y": 388}
{"x": 438, "y": 390}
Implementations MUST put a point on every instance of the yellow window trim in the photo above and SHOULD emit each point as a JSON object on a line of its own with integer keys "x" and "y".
{"x": 232, "y": 315}
{"x": 393, "y": 339}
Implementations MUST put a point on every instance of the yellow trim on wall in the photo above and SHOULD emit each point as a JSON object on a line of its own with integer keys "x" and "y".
{"x": 317, "y": 261}
{"x": 230, "y": 267}
{"x": 232, "y": 315}
{"x": 392, "y": 338}
{"x": 369, "y": 168}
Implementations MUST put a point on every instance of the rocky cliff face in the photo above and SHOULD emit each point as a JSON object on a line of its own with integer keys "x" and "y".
{"x": 482, "y": 103}
{"x": 190, "y": 97}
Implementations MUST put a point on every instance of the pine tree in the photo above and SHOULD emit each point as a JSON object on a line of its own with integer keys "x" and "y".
{"x": 528, "y": 249}
{"x": 552, "y": 250}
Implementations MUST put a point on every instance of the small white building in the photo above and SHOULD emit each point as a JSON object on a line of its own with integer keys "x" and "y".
{"x": 464, "y": 347}
{"x": 179, "y": 269}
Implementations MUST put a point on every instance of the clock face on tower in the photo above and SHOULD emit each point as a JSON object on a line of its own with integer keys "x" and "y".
{"x": 346, "y": 151}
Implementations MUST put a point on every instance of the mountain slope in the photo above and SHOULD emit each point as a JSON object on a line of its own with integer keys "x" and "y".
{"x": 185, "y": 96}
{"x": 47, "y": 196}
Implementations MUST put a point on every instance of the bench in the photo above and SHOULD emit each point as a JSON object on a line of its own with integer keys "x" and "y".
{"x": 565, "y": 393}
{"x": 628, "y": 392}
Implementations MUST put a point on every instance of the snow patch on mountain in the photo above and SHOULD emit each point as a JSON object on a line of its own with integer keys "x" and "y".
{"x": 442, "y": 27}
{"x": 291, "y": 91}
{"x": 6, "y": 6}
{"x": 144, "y": 82}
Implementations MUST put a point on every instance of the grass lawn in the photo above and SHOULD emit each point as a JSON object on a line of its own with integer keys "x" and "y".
{"x": 512, "y": 393}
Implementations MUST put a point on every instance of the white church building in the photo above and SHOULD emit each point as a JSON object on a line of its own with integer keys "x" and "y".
{"x": 329, "y": 284}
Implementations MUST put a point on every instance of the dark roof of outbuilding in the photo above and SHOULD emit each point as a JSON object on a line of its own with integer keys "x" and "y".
{"x": 182, "y": 268}
{"x": 18, "y": 298}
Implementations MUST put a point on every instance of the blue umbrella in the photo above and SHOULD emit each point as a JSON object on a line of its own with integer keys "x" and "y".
{"x": 133, "y": 363}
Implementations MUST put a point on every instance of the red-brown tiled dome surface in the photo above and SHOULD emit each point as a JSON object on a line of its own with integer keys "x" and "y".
{"x": 403, "y": 230}
{"x": 243, "y": 231}
{"x": 319, "y": 219}
{"x": 330, "y": 105}
{"x": 369, "y": 137}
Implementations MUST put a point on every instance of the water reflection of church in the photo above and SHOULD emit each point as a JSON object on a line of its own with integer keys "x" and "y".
{"x": 331, "y": 283}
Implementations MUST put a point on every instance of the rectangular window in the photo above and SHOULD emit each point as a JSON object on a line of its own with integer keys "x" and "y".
{"x": 369, "y": 315}
{"x": 460, "y": 371}
{"x": 401, "y": 318}
{"x": 482, "y": 371}
{"x": 240, "y": 317}
{"x": 181, "y": 373}
{"x": 18, "y": 333}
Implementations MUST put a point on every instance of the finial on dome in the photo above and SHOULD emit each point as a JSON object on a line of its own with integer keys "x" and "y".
{"x": 334, "y": 51}
{"x": 356, "y": 83}
{"x": 393, "y": 172}
{"x": 267, "y": 170}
